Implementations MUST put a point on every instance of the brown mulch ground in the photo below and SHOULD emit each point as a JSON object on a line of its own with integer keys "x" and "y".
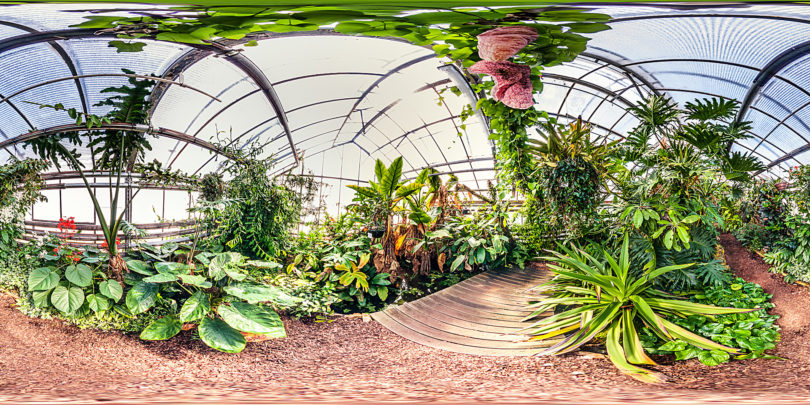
{"x": 354, "y": 360}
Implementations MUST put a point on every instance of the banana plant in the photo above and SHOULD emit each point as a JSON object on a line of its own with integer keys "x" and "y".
{"x": 388, "y": 190}
{"x": 383, "y": 196}
{"x": 597, "y": 296}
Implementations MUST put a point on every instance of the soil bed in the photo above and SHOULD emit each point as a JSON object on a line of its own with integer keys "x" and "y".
{"x": 350, "y": 359}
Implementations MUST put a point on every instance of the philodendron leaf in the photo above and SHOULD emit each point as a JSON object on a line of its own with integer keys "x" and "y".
{"x": 141, "y": 297}
{"x": 172, "y": 268}
{"x": 139, "y": 267}
{"x": 80, "y": 275}
{"x": 263, "y": 264}
{"x": 252, "y": 319}
{"x": 98, "y": 303}
{"x": 254, "y": 294}
{"x": 218, "y": 335}
{"x": 162, "y": 329}
{"x": 42, "y": 279}
{"x": 195, "y": 307}
{"x": 234, "y": 273}
{"x": 67, "y": 299}
{"x": 195, "y": 280}
{"x": 713, "y": 357}
{"x": 111, "y": 289}
{"x": 41, "y": 298}
{"x": 161, "y": 278}
{"x": 216, "y": 269}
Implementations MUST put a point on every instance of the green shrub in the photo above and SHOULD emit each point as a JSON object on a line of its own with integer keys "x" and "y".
{"x": 754, "y": 332}
{"x": 316, "y": 298}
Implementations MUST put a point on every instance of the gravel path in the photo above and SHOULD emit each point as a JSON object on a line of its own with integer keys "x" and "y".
{"x": 350, "y": 359}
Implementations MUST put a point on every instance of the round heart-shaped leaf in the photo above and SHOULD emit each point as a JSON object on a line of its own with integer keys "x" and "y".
{"x": 80, "y": 275}
{"x": 195, "y": 307}
{"x": 42, "y": 279}
{"x": 141, "y": 297}
{"x": 98, "y": 303}
{"x": 111, "y": 289}
{"x": 67, "y": 299}
{"x": 162, "y": 329}
{"x": 252, "y": 319}
{"x": 218, "y": 335}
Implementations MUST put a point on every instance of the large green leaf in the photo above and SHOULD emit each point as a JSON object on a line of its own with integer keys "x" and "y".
{"x": 379, "y": 167}
{"x": 42, "y": 279}
{"x": 409, "y": 189}
{"x": 139, "y": 267}
{"x": 79, "y": 274}
{"x": 172, "y": 268}
{"x": 67, "y": 299}
{"x": 252, "y": 319}
{"x": 162, "y": 329}
{"x": 254, "y": 294}
{"x": 195, "y": 307}
{"x": 141, "y": 297}
{"x": 713, "y": 357}
{"x": 111, "y": 289}
{"x": 218, "y": 335}
{"x": 617, "y": 357}
{"x": 195, "y": 280}
{"x": 97, "y": 303}
{"x": 390, "y": 181}
{"x": 161, "y": 278}
{"x": 41, "y": 298}
{"x": 216, "y": 269}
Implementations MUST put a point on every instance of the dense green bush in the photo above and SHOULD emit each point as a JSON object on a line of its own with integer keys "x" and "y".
{"x": 754, "y": 332}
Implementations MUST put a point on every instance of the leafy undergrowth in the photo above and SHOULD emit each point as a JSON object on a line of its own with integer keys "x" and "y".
{"x": 754, "y": 332}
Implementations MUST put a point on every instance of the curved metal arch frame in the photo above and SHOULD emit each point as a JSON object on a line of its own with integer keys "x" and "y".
{"x": 120, "y": 126}
{"x": 739, "y": 65}
{"x": 197, "y": 55}
{"x": 233, "y": 56}
{"x": 768, "y": 72}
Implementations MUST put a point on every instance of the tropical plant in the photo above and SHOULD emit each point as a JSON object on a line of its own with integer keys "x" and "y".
{"x": 20, "y": 185}
{"x": 257, "y": 214}
{"x": 574, "y": 167}
{"x": 753, "y": 332}
{"x": 381, "y": 199}
{"x": 115, "y": 151}
{"x": 213, "y": 292}
{"x": 594, "y": 296}
{"x": 705, "y": 124}
{"x": 72, "y": 280}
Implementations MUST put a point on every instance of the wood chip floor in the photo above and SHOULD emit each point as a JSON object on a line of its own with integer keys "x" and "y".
{"x": 482, "y": 315}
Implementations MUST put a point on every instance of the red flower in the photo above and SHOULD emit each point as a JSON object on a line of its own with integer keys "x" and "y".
{"x": 513, "y": 82}
{"x": 502, "y": 43}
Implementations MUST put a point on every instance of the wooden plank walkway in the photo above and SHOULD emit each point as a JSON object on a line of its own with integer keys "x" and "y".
{"x": 481, "y": 315}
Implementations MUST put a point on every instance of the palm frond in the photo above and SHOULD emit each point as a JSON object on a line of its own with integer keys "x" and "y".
{"x": 712, "y": 109}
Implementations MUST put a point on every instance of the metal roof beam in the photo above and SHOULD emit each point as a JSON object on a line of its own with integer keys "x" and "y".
{"x": 120, "y": 126}
{"x": 231, "y": 55}
{"x": 769, "y": 72}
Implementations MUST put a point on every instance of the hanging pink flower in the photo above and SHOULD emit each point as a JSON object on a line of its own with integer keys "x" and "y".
{"x": 513, "y": 82}
{"x": 502, "y": 43}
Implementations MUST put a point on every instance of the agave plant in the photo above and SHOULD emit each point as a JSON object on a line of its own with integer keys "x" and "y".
{"x": 594, "y": 297}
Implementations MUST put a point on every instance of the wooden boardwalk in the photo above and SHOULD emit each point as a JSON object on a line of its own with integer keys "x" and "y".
{"x": 481, "y": 315}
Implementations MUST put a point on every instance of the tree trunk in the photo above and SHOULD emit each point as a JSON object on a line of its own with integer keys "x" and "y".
{"x": 117, "y": 268}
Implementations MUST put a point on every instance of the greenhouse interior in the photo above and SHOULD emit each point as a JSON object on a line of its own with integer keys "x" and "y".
{"x": 411, "y": 201}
